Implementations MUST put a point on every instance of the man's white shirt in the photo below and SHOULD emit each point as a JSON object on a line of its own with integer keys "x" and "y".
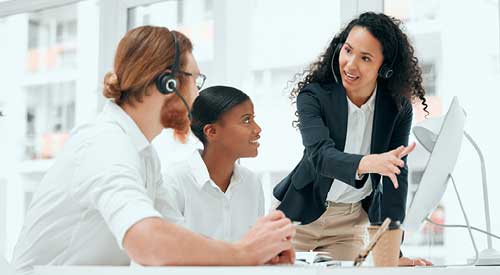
{"x": 104, "y": 181}
{"x": 197, "y": 203}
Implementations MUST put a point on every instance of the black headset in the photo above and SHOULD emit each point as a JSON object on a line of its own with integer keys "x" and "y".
{"x": 385, "y": 71}
{"x": 166, "y": 82}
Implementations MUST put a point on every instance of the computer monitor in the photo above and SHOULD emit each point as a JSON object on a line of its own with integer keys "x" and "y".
{"x": 442, "y": 138}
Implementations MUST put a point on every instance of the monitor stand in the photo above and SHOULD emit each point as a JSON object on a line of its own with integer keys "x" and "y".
{"x": 487, "y": 257}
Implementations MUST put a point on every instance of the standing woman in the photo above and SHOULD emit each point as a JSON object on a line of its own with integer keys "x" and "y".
{"x": 354, "y": 114}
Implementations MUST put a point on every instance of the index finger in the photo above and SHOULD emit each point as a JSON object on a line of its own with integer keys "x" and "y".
{"x": 407, "y": 150}
{"x": 394, "y": 180}
{"x": 426, "y": 262}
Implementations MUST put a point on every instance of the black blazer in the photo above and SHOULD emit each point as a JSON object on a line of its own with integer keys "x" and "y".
{"x": 322, "y": 112}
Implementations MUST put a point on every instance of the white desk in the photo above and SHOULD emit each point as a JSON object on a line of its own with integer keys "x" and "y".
{"x": 264, "y": 270}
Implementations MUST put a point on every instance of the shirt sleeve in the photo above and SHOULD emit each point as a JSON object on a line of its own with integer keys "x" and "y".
{"x": 171, "y": 200}
{"x": 122, "y": 203}
{"x": 112, "y": 184}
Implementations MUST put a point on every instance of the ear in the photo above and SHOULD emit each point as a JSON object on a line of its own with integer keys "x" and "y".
{"x": 210, "y": 131}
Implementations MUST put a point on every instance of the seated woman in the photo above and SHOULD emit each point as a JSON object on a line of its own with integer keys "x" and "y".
{"x": 210, "y": 193}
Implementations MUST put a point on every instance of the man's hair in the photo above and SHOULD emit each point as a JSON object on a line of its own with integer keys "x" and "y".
{"x": 143, "y": 54}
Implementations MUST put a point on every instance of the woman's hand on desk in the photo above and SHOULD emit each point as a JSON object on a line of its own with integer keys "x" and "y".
{"x": 268, "y": 241}
{"x": 405, "y": 261}
{"x": 386, "y": 164}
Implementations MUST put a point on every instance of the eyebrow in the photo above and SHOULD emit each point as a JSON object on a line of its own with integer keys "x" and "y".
{"x": 365, "y": 53}
{"x": 246, "y": 115}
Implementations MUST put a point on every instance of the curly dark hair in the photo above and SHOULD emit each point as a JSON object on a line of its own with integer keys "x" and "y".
{"x": 406, "y": 81}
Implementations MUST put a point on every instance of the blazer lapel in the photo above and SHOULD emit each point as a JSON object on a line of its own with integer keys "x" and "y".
{"x": 339, "y": 107}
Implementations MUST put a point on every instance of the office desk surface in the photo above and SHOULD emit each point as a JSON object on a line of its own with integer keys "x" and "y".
{"x": 264, "y": 270}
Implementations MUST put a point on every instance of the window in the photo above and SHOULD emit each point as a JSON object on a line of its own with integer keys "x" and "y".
{"x": 49, "y": 85}
{"x": 192, "y": 17}
{"x": 50, "y": 115}
{"x": 55, "y": 54}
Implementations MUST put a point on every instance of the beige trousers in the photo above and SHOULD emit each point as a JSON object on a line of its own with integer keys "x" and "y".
{"x": 340, "y": 231}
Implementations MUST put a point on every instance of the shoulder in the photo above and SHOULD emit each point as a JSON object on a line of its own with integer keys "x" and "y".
{"x": 320, "y": 93}
{"x": 395, "y": 106}
{"x": 406, "y": 105}
{"x": 405, "y": 108}
{"x": 320, "y": 89}
{"x": 100, "y": 130}
{"x": 111, "y": 143}
{"x": 103, "y": 151}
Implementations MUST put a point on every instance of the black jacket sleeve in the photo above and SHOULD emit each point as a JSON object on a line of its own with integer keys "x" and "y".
{"x": 321, "y": 151}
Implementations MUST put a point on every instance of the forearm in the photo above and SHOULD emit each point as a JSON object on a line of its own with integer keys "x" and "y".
{"x": 332, "y": 163}
{"x": 328, "y": 161}
{"x": 154, "y": 241}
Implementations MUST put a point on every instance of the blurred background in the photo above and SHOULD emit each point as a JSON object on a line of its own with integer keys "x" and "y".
{"x": 54, "y": 54}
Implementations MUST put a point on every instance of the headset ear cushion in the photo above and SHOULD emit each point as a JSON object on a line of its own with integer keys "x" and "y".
{"x": 171, "y": 85}
{"x": 165, "y": 83}
{"x": 385, "y": 72}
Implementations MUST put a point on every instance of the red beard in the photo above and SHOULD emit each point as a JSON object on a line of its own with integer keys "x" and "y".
{"x": 175, "y": 115}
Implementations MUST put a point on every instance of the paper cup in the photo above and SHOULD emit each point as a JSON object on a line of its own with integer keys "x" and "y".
{"x": 386, "y": 251}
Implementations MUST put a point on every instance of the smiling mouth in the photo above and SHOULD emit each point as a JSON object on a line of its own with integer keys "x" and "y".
{"x": 350, "y": 77}
{"x": 255, "y": 141}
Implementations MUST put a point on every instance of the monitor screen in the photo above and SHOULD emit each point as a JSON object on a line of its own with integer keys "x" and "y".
{"x": 442, "y": 137}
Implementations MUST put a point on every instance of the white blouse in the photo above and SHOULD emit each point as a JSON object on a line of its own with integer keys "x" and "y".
{"x": 200, "y": 205}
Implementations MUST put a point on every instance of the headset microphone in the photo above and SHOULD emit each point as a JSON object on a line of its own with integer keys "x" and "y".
{"x": 337, "y": 49}
{"x": 166, "y": 83}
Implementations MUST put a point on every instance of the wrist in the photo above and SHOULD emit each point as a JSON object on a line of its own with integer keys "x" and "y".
{"x": 362, "y": 166}
{"x": 241, "y": 255}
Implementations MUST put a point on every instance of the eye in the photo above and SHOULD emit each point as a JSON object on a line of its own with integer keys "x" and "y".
{"x": 348, "y": 50}
{"x": 366, "y": 59}
{"x": 248, "y": 119}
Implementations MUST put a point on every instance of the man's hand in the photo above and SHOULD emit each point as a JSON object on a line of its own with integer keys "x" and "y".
{"x": 269, "y": 241}
{"x": 285, "y": 257}
{"x": 405, "y": 261}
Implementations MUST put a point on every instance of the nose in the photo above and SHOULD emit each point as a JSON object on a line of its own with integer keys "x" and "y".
{"x": 257, "y": 129}
{"x": 351, "y": 61}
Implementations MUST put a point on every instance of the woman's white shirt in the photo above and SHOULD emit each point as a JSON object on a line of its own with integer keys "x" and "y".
{"x": 104, "y": 181}
{"x": 358, "y": 141}
{"x": 200, "y": 205}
